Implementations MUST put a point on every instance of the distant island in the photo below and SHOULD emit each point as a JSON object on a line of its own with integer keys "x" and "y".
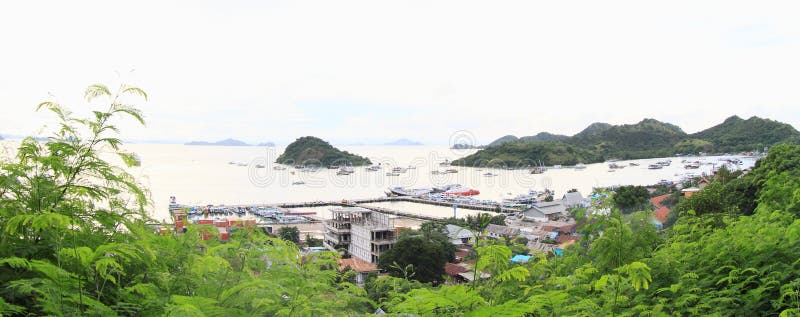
{"x": 403, "y": 142}
{"x": 267, "y": 144}
{"x": 648, "y": 138}
{"x": 309, "y": 150}
{"x": 226, "y": 142}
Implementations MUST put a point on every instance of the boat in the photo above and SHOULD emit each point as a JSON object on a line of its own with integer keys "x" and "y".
{"x": 345, "y": 170}
{"x": 655, "y": 166}
{"x": 489, "y": 174}
{"x": 411, "y": 167}
{"x": 451, "y": 171}
{"x": 232, "y": 163}
{"x": 398, "y": 170}
{"x": 402, "y": 191}
{"x": 580, "y": 166}
{"x": 556, "y": 166}
{"x": 523, "y": 199}
{"x": 692, "y": 165}
{"x": 279, "y": 168}
{"x": 333, "y": 167}
{"x": 633, "y": 164}
{"x": 615, "y": 166}
{"x": 444, "y": 188}
{"x": 461, "y": 191}
{"x": 260, "y": 166}
{"x": 374, "y": 168}
{"x": 612, "y": 170}
{"x": 298, "y": 183}
{"x": 537, "y": 170}
{"x": 392, "y": 174}
{"x": 445, "y": 163}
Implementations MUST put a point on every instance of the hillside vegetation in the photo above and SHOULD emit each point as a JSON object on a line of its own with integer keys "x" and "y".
{"x": 646, "y": 139}
{"x": 309, "y": 150}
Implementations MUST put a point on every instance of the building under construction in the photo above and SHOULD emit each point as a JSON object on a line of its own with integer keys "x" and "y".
{"x": 364, "y": 233}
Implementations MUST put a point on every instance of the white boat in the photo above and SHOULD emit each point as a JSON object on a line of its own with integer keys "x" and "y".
{"x": 489, "y": 174}
{"x": 402, "y": 191}
{"x": 279, "y": 168}
{"x": 260, "y": 166}
{"x": 655, "y": 166}
{"x": 556, "y": 166}
{"x": 398, "y": 170}
{"x": 241, "y": 164}
{"x": 445, "y": 163}
{"x": 298, "y": 183}
{"x": 392, "y": 174}
{"x": 374, "y": 168}
{"x": 580, "y": 166}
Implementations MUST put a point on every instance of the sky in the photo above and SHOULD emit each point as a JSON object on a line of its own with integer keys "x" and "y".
{"x": 376, "y": 71}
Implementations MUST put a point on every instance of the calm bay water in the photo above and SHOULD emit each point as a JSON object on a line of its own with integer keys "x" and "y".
{"x": 201, "y": 175}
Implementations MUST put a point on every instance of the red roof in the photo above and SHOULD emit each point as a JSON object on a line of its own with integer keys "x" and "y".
{"x": 357, "y": 265}
{"x": 565, "y": 237}
{"x": 662, "y": 211}
{"x": 453, "y": 269}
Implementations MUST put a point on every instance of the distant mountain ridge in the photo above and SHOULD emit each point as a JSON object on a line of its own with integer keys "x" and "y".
{"x": 645, "y": 139}
{"x": 405, "y": 142}
{"x": 309, "y": 150}
{"x": 226, "y": 142}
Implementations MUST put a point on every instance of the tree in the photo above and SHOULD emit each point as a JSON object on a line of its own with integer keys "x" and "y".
{"x": 426, "y": 251}
{"x": 631, "y": 198}
{"x": 313, "y": 242}
{"x": 289, "y": 234}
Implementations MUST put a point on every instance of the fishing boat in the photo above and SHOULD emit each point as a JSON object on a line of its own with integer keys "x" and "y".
{"x": 633, "y": 164}
{"x": 445, "y": 163}
{"x": 345, "y": 170}
{"x": 692, "y": 165}
{"x": 615, "y": 166}
{"x": 398, "y": 170}
{"x": 374, "y": 168}
{"x": 451, "y": 171}
{"x": 333, "y": 167}
{"x": 655, "y": 166}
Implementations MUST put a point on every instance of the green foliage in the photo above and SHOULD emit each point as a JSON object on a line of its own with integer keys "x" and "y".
{"x": 420, "y": 255}
{"x": 291, "y": 234}
{"x": 632, "y": 198}
{"x": 312, "y": 151}
{"x": 646, "y": 139}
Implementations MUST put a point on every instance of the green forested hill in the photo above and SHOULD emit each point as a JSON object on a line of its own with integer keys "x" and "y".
{"x": 309, "y": 150}
{"x": 646, "y": 139}
{"x": 753, "y": 134}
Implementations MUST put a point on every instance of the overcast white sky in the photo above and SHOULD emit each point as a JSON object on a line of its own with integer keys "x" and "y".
{"x": 374, "y": 71}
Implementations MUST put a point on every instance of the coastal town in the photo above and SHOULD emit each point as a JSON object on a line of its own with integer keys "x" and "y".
{"x": 537, "y": 223}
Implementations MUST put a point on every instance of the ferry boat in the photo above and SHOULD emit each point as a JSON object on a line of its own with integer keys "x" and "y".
{"x": 402, "y": 191}
{"x": 462, "y": 191}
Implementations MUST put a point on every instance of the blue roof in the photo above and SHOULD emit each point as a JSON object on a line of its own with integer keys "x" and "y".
{"x": 519, "y": 258}
{"x": 558, "y": 251}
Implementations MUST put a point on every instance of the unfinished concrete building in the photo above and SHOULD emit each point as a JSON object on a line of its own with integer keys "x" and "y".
{"x": 364, "y": 233}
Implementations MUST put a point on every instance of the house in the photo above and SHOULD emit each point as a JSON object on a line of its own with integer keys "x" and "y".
{"x": 453, "y": 270}
{"x": 364, "y": 233}
{"x": 661, "y": 211}
{"x": 561, "y": 227}
{"x": 688, "y": 192}
{"x": 544, "y": 211}
{"x": 497, "y": 231}
{"x": 539, "y": 247}
{"x": 361, "y": 267}
{"x": 537, "y": 234}
{"x": 574, "y": 199}
{"x": 459, "y": 235}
